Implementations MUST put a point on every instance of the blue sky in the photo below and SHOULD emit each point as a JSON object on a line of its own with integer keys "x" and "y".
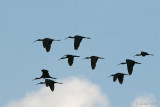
{"x": 119, "y": 29}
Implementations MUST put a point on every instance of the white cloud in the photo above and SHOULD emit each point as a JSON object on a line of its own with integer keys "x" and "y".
{"x": 75, "y": 92}
{"x": 145, "y": 101}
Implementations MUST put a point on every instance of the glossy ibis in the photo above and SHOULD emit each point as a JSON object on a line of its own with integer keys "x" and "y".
{"x": 94, "y": 60}
{"x": 130, "y": 64}
{"x": 70, "y": 58}
{"x": 50, "y": 83}
{"x": 47, "y": 43}
{"x": 45, "y": 74}
{"x": 120, "y": 77}
{"x": 77, "y": 40}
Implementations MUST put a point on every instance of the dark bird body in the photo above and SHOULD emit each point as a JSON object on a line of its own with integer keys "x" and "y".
{"x": 120, "y": 77}
{"x": 50, "y": 83}
{"x": 94, "y": 60}
{"x": 77, "y": 40}
{"x": 45, "y": 74}
{"x": 47, "y": 42}
{"x": 143, "y": 54}
{"x": 70, "y": 58}
{"x": 130, "y": 65}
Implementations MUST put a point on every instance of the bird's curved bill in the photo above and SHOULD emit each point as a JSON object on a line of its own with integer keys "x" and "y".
{"x": 34, "y": 41}
{"x": 33, "y": 79}
{"x": 66, "y": 38}
{"x": 59, "y": 59}
{"x": 118, "y": 64}
{"x": 109, "y": 76}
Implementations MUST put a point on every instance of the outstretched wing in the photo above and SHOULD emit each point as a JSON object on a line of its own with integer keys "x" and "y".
{"x": 48, "y": 82}
{"x": 70, "y": 61}
{"x": 52, "y": 86}
{"x": 45, "y": 42}
{"x": 120, "y": 78}
{"x": 115, "y": 76}
{"x": 77, "y": 42}
{"x": 93, "y": 62}
{"x": 48, "y": 47}
{"x": 130, "y": 65}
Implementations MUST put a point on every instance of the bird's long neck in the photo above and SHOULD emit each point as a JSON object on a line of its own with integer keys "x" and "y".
{"x": 38, "y": 40}
{"x": 36, "y": 79}
{"x": 71, "y": 37}
{"x": 64, "y": 57}
{"x": 87, "y": 58}
{"x": 122, "y": 63}
{"x": 137, "y": 55}
{"x": 40, "y": 83}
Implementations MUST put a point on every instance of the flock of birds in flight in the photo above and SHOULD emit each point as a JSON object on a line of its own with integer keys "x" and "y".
{"x": 47, "y": 42}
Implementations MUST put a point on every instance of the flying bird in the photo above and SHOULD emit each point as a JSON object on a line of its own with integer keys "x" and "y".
{"x": 94, "y": 60}
{"x": 70, "y": 58}
{"x": 143, "y": 54}
{"x": 130, "y": 64}
{"x": 120, "y": 77}
{"x": 45, "y": 74}
{"x": 46, "y": 43}
{"x": 50, "y": 83}
{"x": 77, "y": 40}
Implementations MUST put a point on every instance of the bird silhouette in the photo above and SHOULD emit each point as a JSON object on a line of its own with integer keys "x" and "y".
{"x": 94, "y": 60}
{"x": 143, "y": 54}
{"x": 45, "y": 74}
{"x": 77, "y": 40}
{"x": 120, "y": 77}
{"x": 130, "y": 64}
{"x": 50, "y": 83}
{"x": 70, "y": 58}
{"x": 46, "y": 43}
